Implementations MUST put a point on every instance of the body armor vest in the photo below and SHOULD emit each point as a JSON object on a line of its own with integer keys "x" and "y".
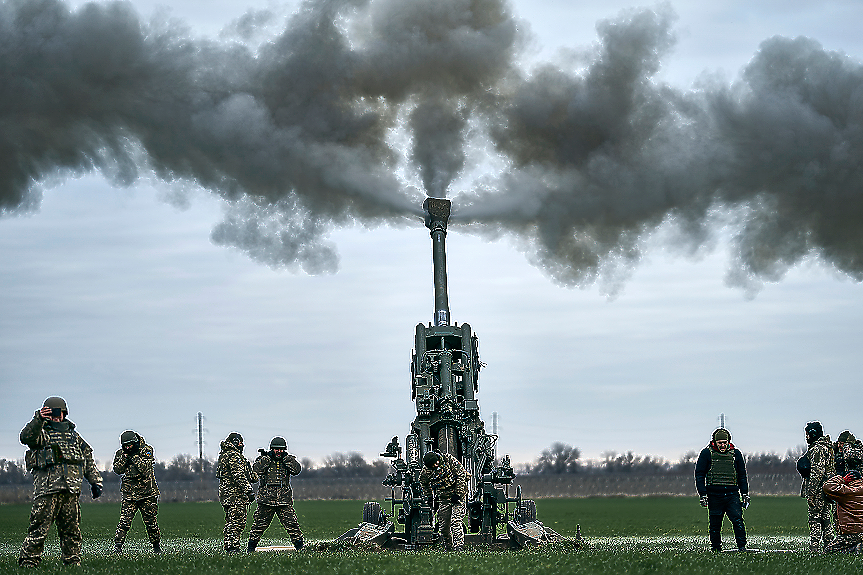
{"x": 722, "y": 470}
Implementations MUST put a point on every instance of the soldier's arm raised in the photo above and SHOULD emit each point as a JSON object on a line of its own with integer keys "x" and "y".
{"x": 262, "y": 463}
{"x": 294, "y": 466}
{"x": 121, "y": 461}
{"x": 32, "y": 435}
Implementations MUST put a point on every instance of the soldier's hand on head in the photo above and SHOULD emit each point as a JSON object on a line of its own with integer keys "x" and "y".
{"x": 703, "y": 501}
{"x": 96, "y": 490}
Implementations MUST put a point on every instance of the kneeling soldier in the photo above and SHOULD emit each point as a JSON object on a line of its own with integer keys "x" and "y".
{"x": 275, "y": 497}
{"x": 134, "y": 461}
{"x": 235, "y": 489}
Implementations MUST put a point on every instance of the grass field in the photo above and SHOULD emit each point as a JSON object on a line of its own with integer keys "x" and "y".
{"x": 625, "y": 535}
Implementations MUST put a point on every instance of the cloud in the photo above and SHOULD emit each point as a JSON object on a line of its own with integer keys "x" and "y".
{"x": 303, "y": 132}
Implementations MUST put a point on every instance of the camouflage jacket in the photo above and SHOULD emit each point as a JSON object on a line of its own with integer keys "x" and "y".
{"x": 58, "y": 457}
{"x": 448, "y": 479}
{"x": 139, "y": 477}
{"x": 275, "y": 475}
{"x": 235, "y": 476}
{"x": 852, "y": 456}
{"x": 823, "y": 466}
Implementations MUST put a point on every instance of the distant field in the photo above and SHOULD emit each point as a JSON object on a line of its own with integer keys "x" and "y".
{"x": 625, "y": 535}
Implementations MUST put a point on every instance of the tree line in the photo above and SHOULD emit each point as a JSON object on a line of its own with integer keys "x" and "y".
{"x": 558, "y": 458}
{"x": 562, "y": 458}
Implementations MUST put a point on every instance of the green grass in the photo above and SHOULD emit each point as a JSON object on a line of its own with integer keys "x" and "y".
{"x": 625, "y": 535}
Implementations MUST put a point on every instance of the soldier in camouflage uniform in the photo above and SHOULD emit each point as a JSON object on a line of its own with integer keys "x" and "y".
{"x": 59, "y": 459}
{"x": 819, "y": 465}
{"x": 235, "y": 489}
{"x": 135, "y": 461}
{"x": 849, "y": 453}
{"x": 275, "y": 497}
{"x": 446, "y": 477}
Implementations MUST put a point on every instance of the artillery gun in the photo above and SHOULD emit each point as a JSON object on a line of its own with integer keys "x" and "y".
{"x": 445, "y": 368}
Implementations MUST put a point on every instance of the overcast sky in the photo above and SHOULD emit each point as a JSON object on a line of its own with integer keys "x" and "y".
{"x": 140, "y": 300}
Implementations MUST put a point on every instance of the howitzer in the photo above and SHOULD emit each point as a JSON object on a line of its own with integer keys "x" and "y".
{"x": 445, "y": 369}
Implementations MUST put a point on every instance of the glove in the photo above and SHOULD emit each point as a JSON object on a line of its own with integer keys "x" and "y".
{"x": 853, "y": 475}
{"x": 96, "y": 490}
{"x": 746, "y": 500}
{"x": 454, "y": 499}
{"x": 251, "y": 496}
{"x": 703, "y": 501}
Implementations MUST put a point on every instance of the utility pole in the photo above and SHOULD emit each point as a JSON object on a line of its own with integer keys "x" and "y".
{"x": 200, "y": 431}
{"x": 494, "y": 423}
{"x": 722, "y": 420}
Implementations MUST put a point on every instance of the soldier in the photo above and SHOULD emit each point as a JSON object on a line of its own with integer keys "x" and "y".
{"x": 720, "y": 477}
{"x": 135, "y": 461}
{"x": 275, "y": 467}
{"x": 58, "y": 458}
{"x": 445, "y": 476}
{"x": 817, "y": 466}
{"x": 849, "y": 453}
{"x": 235, "y": 489}
{"x": 848, "y": 493}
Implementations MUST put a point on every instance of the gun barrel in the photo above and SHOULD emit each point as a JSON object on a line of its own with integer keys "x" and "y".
{"x": 437, "y": 215}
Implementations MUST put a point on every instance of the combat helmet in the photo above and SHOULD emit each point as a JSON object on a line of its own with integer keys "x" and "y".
{"x": 430, "y": 458}
{"x": 278, "y": 443}
{"x": 54, "y": 402}
{"x": 128, "y": 437}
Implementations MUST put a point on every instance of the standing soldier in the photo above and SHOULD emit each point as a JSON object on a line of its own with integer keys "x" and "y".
{"x": 819, "y": 465}
{"x": 235, "y": 489}
{"x": 275, "y": 467}
{"x": 720, "y": 477}
{"x": 444, "y": 476}
{"x": 135, "y": 461}
{"x": 58, "y": 458}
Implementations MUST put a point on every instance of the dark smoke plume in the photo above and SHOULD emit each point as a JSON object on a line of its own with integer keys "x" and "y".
{"x": 359, "y": 108}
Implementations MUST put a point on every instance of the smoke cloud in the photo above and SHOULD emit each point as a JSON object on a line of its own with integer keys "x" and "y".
{"x": 357, "y": 109}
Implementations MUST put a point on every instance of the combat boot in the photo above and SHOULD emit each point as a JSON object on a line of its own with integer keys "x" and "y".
{"x": 298, "y": 544}
{"x": 252, "y": 544}
{"x": 157, "y": 548}
{"x": 118, "y": 548}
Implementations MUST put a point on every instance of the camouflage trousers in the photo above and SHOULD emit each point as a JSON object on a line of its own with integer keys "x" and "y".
{"x": 64, "y": 510}
{"x": 450, "y": 521}
{"x": 235, "y": 523}
{"x": 821, "y": 526}
{"x": 264, "y": 516}
{"x": 149, "y": 510}
{"x": 846, "y": 543}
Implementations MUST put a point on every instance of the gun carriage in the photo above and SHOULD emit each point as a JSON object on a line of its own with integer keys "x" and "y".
{"x": 445, "y": 369}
